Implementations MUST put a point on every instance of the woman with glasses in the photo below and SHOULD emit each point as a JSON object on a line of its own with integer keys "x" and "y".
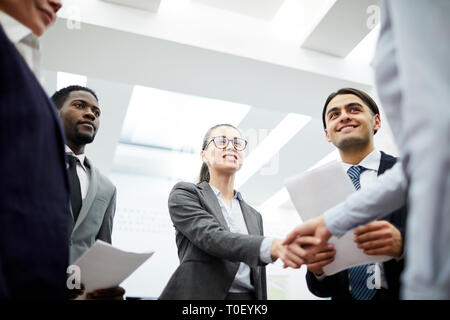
{"x": 220, "y": 240}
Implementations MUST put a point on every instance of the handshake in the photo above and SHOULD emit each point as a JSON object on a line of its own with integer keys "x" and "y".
{"x": 308, "y": 244}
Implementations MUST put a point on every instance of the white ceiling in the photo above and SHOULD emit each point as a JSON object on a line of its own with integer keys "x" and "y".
{"x": 345, "y": 24}
{"x": 164, "y": 77}
{"x": 259, "y": 9}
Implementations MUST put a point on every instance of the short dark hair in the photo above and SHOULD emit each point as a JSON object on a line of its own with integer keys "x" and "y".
{"x": 360, "y": 94}
{"x": 60, "y": 96}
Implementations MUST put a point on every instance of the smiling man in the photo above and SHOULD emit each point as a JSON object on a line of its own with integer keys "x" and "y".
{"x": 93, "y": 196}
{"x": 351, "y": 119}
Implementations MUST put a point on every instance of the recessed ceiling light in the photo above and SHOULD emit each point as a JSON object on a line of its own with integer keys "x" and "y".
{"x": 365, "y": 50}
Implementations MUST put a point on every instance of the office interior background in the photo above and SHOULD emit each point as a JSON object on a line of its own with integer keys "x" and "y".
{"x": 167, "y": 70}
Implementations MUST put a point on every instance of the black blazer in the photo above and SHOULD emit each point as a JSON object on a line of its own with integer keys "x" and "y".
{"x": 34, "y": 187}
{"x": 336, "y": 286}
{"x": 209, "y": 253}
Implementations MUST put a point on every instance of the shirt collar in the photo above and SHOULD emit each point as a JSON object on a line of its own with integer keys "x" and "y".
{"x": 237, "y": 194}
{"x": 13, "y": 29}
{"x": 26, "y": 43}
{"x": 370, "y": 162}
{"x": 81, "y": 157}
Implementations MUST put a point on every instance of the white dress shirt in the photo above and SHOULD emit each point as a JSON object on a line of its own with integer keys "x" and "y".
{"x": 82, "y": 172}
{"x": 236, "y": 223}
{"x": 371, "y": 163}
{"x": 25, "y": 41}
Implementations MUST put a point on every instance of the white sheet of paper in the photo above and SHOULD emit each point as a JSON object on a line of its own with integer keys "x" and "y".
{"x": 315, "y": 191}
{"x": 104, "y": 266}
{"x": 349, "y": 255}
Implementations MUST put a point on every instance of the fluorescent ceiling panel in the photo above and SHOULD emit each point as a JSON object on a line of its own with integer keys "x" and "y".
{"x": 64, "y": 79}
{"x": 148, "y": 5}
{"x": 297, "y": 18}
{"x": 175, "y": 121}
{"x": 262, "y": 9}
{"x": 271, "y": 145}
{"x": 365, "y": 50}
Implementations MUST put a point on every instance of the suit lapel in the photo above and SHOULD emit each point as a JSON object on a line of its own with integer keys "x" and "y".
{"x": 90, "y": 196}
{"x": 211, "y": 199}
{"x": 386, "y": 162}
{"x": 250, "y": 218}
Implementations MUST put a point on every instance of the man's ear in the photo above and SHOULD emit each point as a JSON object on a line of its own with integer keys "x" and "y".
{"x": 326, "y": 136}
{"x": 376, "y": 123}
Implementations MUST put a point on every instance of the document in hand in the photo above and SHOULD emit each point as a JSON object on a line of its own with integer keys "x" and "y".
{"x": 104, "y": 266}
{"x": 315, "y": 191}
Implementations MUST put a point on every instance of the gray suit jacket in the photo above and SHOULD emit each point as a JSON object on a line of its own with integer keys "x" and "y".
{"x": 95, "y": 220}
{"x": 209, "y": 252}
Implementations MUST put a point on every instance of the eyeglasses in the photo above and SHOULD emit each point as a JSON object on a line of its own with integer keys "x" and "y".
{"x": 222, "y": 142}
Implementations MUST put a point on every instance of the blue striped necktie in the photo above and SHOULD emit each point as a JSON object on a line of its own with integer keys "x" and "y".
{"x": 358, "y": 276}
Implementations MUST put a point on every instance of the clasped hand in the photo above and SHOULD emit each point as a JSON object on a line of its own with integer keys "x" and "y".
{"x": 308, "y": 243}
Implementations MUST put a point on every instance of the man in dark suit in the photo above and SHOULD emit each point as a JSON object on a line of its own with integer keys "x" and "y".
{"x": 93, "y": 196}
{"x": 34, "y": 187}
{"x": 351, "y": 118}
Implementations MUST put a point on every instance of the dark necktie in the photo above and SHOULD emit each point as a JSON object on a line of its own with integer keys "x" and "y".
{"x": 359, "y": 275}
{"x": 75, "y": 189}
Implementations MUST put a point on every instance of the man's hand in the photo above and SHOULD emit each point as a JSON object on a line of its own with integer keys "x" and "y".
{"x": 321, "y": 259}
{"x": 293, "y": 255}
{"x": 315, "y": 227}
{"x": 115, "y": 293}
{"x": 379, "y": 237}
